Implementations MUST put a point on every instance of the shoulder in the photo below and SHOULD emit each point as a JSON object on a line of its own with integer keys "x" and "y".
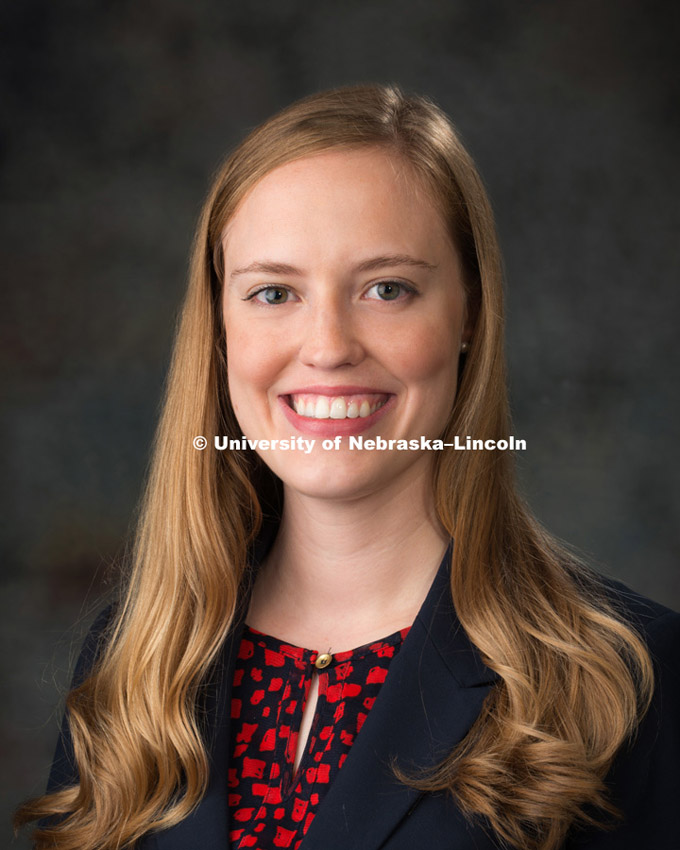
{"x": 658, "y": 625}
{"x": 644, "y": 777}
{"x": 659, "y": 628}
{"x": 93, "y": 644}
{"x": 64, "y": 771}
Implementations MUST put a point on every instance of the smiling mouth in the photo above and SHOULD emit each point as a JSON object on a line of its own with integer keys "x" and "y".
{"x": 316, "y": 406}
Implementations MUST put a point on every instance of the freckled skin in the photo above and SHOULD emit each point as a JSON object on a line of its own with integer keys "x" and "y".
{"x": 324, "y": 215}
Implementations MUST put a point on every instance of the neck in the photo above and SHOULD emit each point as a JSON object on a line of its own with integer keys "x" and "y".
{"x": 343, "y": 573}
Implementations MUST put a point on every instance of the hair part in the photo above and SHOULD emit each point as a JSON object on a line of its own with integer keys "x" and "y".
{"x": 575, "y": 678}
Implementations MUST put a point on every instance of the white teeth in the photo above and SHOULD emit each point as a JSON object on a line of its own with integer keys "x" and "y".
{"x": 338, "y": 408}
{"x": 323, "y": 408}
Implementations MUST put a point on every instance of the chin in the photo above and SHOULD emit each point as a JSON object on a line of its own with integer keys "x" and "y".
{"x": 344, "y": 479}
{"x": 325, "y": 484}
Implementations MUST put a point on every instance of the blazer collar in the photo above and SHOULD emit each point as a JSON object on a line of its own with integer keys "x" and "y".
{"x": 430, "y": 699}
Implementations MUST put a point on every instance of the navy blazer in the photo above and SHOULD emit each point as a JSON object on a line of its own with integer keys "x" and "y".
{"x": 432, "y": 695}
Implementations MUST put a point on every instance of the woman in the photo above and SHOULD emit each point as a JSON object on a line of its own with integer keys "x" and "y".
{"x": 398, "y": 656}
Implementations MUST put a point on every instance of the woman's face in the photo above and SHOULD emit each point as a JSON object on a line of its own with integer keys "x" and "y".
{"x": 344, "y": 312}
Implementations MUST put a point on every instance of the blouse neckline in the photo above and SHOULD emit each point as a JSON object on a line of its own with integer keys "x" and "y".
{"x": 305, "y": 655}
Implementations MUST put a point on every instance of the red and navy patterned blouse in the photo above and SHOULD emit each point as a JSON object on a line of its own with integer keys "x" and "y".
{"x": 269, "y": 806}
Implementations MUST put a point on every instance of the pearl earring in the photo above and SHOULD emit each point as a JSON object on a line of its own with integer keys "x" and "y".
{"x": 464, "y": 347}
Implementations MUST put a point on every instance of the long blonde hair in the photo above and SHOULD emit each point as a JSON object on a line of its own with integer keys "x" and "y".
{"x": 574, "y": 676}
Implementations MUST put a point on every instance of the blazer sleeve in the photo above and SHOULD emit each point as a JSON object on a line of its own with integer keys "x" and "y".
{"x": 64, "y": 771}
{"x": 645, "y": 777}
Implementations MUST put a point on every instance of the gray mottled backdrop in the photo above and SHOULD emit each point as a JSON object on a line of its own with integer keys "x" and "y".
{"x": 114, "y": 116}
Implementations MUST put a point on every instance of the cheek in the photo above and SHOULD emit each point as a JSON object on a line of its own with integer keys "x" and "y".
{"x": 426, "y": 352}
{"x": 251, "y": 365}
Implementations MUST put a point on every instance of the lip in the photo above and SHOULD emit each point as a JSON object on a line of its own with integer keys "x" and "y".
{"x": 334, "y": 427}
{"x": 335, "y": 390}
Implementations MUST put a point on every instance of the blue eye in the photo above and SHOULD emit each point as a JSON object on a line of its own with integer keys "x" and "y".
{"x": 389, "y": 290}
{"x": 271, "y": 295}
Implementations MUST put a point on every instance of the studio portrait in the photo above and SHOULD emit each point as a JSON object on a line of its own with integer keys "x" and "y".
{"x": 341, "y": 502}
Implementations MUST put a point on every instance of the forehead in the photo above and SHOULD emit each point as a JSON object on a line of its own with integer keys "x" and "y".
{"x": 342, "y": 201}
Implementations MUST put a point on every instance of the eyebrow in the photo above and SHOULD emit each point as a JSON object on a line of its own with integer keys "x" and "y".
{"x": 268, "y": 267}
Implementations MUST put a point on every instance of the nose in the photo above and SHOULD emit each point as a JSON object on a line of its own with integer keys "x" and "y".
{"x": 330, "y": 336}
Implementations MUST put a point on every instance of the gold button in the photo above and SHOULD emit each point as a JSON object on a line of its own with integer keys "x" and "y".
{"x": 323, "y": 661}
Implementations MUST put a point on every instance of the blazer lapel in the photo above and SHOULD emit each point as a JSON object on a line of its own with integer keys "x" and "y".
{"x": 433, "y": 693}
